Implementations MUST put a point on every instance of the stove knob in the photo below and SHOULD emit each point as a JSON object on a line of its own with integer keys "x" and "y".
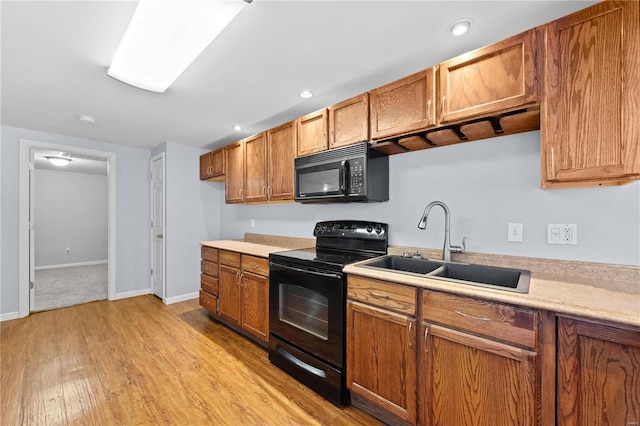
{"x": 317, "y": 228}
{"x": 378, "y": 229}
{"x": 324, "y": 227}
{"x": 369, "y": 228}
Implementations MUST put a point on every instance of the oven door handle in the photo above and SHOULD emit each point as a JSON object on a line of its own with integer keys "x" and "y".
{"x": 305, "y": 271}
{"x": 310, "y": 368}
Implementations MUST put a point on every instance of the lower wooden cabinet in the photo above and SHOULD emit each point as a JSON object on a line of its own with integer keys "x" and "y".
{"x": 381, "y": 358}
{"x": 598, "y": 374}
{"x": 241, "y": 297}
{"x": 472, "y": 380}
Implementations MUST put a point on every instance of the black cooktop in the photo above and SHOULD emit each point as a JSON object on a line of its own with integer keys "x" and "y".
{"x": 338, "y": 243}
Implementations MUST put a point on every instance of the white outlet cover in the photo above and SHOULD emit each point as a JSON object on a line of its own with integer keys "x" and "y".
{"x": 562, "y": 233}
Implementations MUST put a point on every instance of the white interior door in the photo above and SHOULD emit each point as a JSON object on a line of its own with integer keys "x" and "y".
{"x": 157, "y": 226}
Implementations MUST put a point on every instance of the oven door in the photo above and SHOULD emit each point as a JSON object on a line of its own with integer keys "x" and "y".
{"x": 319, "y": 181}
{"x": 307, "y": 310}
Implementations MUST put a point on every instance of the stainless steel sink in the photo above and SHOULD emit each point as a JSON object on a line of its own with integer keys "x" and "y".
{"x": 508, "y": 279}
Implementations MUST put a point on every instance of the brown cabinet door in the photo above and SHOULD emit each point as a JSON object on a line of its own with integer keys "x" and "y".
{"x": 470, "y": 380}
{"x": 255, "y": 154}
{"x": 282, "y": 152}
{"x": 255, "y": 305}
{"x": 404, "y": 106}
{"x": 205, "y": 166}
{"x": 381, "y": 359}
{"x": 234, "y": 178}
{"x": 598, "y": 374}
{"x": 500, "y": 77}
{"x": 229, "y": 293}
{"x": 312, "y": 132}
{"x": 216, "y": 159}
{"x": 349, "y": 121}
{"x": 589, "y": 124}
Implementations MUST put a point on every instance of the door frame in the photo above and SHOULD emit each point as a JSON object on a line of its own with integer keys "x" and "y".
{"x": 24, "y": 246}
{"x": 164, "y": 223}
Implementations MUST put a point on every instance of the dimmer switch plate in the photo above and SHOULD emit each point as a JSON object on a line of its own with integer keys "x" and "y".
{"x": 562, "y": 233}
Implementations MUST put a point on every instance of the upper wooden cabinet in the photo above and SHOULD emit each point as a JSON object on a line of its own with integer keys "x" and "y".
{"x": 497, "y": 78}
{"x": 212, "y": 165}
{"x": 312, "y": 132}
{"x": 589, "y": 123}
{"x": 349, "y": 121}
{"x": 255, "y": 163}
{"x": 404, "y": 106}
{"x": 234, "y": 176}
{"x": 281, "y": 143}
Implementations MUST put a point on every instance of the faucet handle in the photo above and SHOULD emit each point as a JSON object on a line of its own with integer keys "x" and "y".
{"x": 458, "y": 249}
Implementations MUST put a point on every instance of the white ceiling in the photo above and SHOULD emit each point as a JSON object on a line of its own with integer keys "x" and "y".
{"x": 55, "y": 55}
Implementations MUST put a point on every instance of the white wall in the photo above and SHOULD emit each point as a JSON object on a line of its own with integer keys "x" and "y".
{"x": 486, "y": 184}
{"x": 192, "y": 208}
{"x": 132, "y": 211}
{"x": 70, "y": 212}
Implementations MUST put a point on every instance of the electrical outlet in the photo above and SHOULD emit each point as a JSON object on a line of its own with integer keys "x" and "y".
{"x": 562, "y": 233}
{"x": 253, "y": 223}
{"x": 515, "y": 232}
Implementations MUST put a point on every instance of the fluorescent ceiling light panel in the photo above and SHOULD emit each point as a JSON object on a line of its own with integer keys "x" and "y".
{"x": 164, "y": 37}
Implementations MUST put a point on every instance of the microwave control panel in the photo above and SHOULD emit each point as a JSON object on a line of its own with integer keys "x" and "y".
{"x": 356, "y": 176}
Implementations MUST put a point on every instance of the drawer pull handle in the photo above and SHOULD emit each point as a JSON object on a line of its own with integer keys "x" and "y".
{"x": 254, "y": 265}
{"x": 379, "y": 295}
{"x": 462, "y": 314}
{"x": 410, "y": 334}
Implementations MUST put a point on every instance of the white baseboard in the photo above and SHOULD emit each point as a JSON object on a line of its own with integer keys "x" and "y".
{"x": 9, "y": 316}
{"x": 69, "y": 265}
{"x": 133, "y": 293}
{"x": 181, "y": 298}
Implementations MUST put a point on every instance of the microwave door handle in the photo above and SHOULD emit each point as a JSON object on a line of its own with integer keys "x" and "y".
{"x": 344, "y": 176}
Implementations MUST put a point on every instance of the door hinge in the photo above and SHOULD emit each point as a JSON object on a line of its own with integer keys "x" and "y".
{"x": 152, "y": 224}
{"x": 31, "y": 166}
{"x": 31, "y": 285}
{"x": 152, "y": 272}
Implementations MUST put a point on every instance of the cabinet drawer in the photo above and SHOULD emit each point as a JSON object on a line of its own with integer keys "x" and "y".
{"x": 208, "y": 302}
{"x": 495, "y": 320}
{"x": 209, "y": 284}
{"x": 257, "y": 265}
{"x": 209, "y": 268}
{"x": 396, "y": 297}
{"x": 230, "y": 258}
{"x": 209, "y": 253}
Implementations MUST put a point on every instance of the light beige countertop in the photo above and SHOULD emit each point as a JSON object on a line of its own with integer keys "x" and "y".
{"x": 589, "y": 290}
{"x": 608, "y": 299}
{"x": 254, "y": 249}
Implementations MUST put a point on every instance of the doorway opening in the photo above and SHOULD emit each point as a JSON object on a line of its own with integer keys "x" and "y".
{"x": 75, "y": 255}
{"x": 70, "y": 218}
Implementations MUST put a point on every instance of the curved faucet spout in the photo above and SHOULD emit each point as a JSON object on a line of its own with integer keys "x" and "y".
{"x": 448, "y": 248}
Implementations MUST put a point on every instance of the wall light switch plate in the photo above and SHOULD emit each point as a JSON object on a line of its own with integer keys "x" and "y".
{"x": 562, "y": 233}
{"x": 515, "y": 232}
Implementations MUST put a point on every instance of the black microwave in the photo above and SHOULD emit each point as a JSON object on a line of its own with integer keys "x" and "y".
{"x": 350, "y": 173}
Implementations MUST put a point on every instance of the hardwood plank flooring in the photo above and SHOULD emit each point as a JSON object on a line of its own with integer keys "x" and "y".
{"x": 138, "y": 361}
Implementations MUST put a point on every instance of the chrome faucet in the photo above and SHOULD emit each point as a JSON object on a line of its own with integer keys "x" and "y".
{"x": 448, "y": 248}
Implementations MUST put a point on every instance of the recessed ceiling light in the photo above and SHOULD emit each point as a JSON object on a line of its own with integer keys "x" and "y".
{"x": 460, "y": 27}
{"x": 58, "y": 161}
{"x": 237, "y": 127}
{"x": 306, "y": 94}
{"x": 87, "y": 119}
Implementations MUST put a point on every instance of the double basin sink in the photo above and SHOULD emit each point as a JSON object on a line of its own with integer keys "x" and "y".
{"x": 516, "y": 280}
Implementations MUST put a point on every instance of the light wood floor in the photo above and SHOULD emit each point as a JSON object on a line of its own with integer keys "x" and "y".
{"x": 138, "y": 361}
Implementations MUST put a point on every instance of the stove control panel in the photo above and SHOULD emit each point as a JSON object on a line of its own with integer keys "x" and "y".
{"x": 355, "y": 229}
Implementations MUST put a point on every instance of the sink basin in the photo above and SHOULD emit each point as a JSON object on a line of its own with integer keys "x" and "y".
{"x": 404, "y": 264}
{"x": 516, "y": 280}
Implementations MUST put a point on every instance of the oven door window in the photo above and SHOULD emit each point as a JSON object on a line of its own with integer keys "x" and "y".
{"x": 304, "y": 309}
